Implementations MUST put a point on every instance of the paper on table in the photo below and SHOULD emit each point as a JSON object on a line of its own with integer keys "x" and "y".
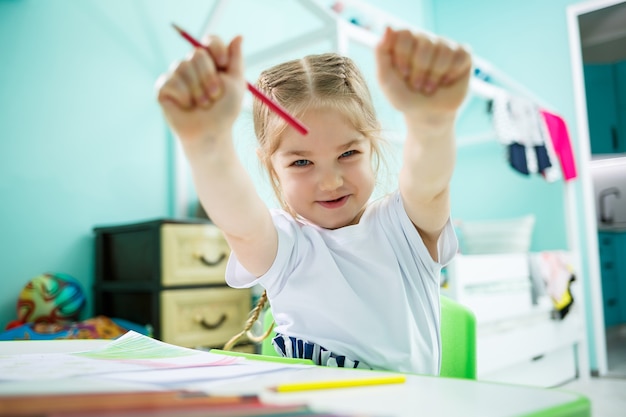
{"x": 177, "y": 378}
{"x": 131, "y": 352}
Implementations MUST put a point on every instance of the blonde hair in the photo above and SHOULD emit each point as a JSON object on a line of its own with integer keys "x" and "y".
{"x": 326, "y": 80}
{"x": 316, "y": 81}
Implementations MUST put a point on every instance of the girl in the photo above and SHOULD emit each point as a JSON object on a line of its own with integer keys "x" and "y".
{"x": 351, "y": 282}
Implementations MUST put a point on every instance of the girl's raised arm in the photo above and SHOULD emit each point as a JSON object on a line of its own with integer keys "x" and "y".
{"x": 201, "y": 98}
{"x": 426, "y": 78}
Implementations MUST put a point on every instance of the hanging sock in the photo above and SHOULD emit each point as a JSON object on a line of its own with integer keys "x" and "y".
{"x": 517, "y": 158}
{"x": 543, "y": 160}
{"x": 552, "y": 172}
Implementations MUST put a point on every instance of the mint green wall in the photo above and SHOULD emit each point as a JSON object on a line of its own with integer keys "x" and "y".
{"x": 83, "y": 142}
{"x": 484, "y": 186}
{"x": 528, "y": 42}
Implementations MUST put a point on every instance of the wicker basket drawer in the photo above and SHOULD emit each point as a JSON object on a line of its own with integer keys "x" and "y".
{"x": 193, "y": 254}
{"x": 203, "y": 317}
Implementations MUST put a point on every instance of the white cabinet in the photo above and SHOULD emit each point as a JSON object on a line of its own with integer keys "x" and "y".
{"x": 518, "y": 341}
{"x": 531, "y": 350}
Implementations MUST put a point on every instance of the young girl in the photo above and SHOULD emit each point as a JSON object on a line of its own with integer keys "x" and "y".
{"x": 350, "y": 282}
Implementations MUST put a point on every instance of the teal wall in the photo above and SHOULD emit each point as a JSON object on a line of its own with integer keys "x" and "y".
{"x": 84, "y": 142}
{"x": 526, "y": 40}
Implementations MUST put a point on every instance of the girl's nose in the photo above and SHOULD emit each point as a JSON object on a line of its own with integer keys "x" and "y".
{"x": 330, "y": 179}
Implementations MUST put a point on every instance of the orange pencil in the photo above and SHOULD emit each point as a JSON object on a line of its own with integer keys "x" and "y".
{"x": 295, "y": 123}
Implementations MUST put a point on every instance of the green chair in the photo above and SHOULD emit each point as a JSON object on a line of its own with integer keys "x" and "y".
{"x": 458, "y": 339}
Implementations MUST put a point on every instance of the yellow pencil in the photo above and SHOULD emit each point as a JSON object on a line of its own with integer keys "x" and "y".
{"x": 340, "y": 383}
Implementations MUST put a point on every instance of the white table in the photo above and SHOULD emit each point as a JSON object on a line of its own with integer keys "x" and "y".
{"x": 419, "y": 396}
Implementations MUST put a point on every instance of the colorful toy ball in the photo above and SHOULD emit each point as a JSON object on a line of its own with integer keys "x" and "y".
{"x": 51, "y": 298}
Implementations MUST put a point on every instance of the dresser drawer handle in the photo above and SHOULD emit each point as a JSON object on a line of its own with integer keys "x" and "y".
{"x": 211, "y": 326}
{"x": 207, "y": 262}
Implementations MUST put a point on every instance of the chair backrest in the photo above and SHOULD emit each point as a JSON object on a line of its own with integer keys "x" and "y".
{"x": 458, "y": 340}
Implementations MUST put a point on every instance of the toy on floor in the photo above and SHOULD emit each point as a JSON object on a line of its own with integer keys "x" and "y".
{"x": 100, "y": 327}
{"x": 54, "y": 298}
{"x": 49, "y": 307}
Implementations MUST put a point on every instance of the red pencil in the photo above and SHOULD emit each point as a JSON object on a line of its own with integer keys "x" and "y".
{"x": 255, "y": 91}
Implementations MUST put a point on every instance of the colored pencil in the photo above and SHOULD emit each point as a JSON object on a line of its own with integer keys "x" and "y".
{"x": 277, "y": 108}
{"x": 340, "y": 383}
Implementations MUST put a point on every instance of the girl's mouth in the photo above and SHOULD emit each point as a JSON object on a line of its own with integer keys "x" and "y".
{"x": 334, "y": 203}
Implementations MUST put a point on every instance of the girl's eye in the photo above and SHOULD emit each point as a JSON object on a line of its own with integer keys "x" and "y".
{"x": 301, "y": 163}
{"x": 347, "y": 154}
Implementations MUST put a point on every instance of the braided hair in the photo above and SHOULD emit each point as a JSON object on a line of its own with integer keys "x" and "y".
{"x": 252, "y": 318}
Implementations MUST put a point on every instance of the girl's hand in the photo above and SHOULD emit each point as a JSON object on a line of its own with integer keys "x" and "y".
{"x": 201, "y": 96}
{"x": 422, "y": 75}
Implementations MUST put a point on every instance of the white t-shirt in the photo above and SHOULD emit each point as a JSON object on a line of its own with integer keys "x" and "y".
{"x": 368, "y": 291}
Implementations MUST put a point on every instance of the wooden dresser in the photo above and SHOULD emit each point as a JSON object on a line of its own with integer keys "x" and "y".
{"x": 169, "y": 275}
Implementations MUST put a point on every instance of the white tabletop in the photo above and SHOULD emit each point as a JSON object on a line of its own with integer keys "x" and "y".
{"x": 420, "y": 395}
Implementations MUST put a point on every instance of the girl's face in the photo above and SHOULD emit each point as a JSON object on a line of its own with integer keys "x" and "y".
{"x": 326, "y": 176}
